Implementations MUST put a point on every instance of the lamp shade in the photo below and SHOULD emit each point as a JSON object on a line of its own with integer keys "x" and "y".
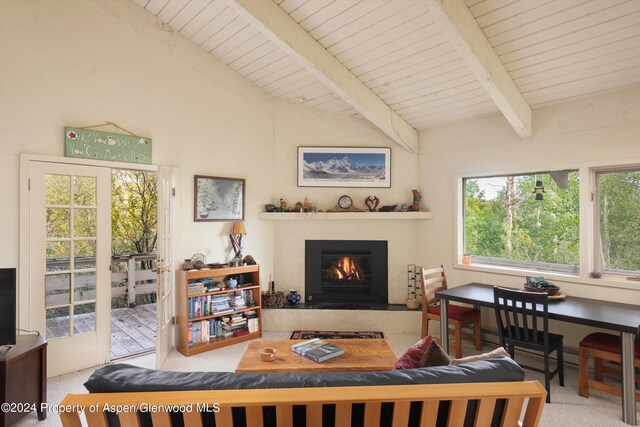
{"x": 238, "y": 228}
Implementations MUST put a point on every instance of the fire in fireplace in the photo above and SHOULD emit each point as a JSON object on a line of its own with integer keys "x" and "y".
{"x": 338, "y": 269}
{"x": 346, "y": 273}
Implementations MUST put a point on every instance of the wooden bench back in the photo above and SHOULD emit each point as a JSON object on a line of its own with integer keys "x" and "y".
{"x": 373, "y": 397}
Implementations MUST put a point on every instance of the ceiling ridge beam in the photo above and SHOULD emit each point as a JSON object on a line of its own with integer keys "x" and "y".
{"x": 285, "y": 33}
{"x": 464, "y": 33}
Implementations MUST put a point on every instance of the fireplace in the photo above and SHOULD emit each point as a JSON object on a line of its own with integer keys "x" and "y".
{"x": 346, "y": 274}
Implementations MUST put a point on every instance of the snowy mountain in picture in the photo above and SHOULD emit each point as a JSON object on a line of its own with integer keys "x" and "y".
{"x": 344, "y": 168}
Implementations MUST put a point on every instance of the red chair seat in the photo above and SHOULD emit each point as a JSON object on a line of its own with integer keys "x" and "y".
{"x": 457, "y": 312}
{"x": 606, "y": 342}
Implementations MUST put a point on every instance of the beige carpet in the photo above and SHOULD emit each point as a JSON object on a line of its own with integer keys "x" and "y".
{"x": 567, "y": 409}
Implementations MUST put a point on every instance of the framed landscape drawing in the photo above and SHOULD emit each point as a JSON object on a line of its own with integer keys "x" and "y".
{"x": 218, "y": 199}
{"x": 344, "y": 167}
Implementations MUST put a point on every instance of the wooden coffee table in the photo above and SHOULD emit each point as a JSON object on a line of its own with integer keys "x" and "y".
{"x": 359, "y": 355}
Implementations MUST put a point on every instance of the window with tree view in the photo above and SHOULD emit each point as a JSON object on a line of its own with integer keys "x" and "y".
{"x": 618, "y": 196}
{"x": 524, "y": 221}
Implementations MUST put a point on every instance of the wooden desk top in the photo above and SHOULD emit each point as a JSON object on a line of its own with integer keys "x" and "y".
{"x": 582, "y": 311}
{"x": 359, "y": 355}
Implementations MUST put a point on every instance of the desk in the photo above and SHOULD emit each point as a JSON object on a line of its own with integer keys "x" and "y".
{"x": 623, "y": 318}
{"x": 23, "y": 377}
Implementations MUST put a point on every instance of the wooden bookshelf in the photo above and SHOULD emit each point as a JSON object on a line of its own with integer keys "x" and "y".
{"x": 217, "y": 275}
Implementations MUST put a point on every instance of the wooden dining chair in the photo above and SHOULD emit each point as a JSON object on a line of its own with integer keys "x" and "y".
{"x": 603, "y": 347}
{"x": 434, "y": 280}
{"x": 523, "y": 321}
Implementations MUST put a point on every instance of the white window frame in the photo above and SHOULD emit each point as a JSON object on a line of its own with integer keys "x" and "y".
{"x": 597, "y": 260}
{"x": 535, "y": 268}
{"x": 588, "y": 226}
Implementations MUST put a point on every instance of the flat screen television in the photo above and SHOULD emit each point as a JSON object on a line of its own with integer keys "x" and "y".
{"x": 7, "y": 306}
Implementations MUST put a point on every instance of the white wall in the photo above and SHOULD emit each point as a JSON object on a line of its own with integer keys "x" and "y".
{"x": 600, "y": 129}
{"x": 296, "y": 126}
{"x": 68, "y": 63}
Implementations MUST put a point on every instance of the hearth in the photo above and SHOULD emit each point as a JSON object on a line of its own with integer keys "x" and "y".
{"x": 346, "y": 274}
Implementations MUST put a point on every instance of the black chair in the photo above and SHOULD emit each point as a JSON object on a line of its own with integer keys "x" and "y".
{"x": 518, "y": 315}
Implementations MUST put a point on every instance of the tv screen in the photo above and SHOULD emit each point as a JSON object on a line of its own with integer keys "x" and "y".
{"x": 7, "y": 306}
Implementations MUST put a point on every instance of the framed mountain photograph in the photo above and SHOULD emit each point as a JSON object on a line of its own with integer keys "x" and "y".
{"x": 344, "y": 167}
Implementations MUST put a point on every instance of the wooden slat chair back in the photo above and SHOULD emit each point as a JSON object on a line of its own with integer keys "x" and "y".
{"x": 523, "y": 321}
{"x": 434, "y": 280}
{"x": 523, "y": 401}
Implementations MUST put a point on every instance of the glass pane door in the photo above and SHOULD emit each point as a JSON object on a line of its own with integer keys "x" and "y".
{"x": 70, "y": 254}
{"x": 71, "y": 228}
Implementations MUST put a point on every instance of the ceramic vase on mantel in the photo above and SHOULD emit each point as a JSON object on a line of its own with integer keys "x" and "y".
{"x": 294, "y": 297}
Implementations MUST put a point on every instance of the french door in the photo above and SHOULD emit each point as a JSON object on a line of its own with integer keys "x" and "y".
{"x": 166, "y": 264}
{"x": 69, "y": 262}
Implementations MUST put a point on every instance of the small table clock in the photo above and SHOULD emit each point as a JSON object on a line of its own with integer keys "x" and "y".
{"x": 345, "y": 204}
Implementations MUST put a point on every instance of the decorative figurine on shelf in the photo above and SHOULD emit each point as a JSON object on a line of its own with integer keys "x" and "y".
{"x": 283, "y": 205}
{"x": 416, "y": 200}
{"x": 249, "y": 260}
{"x": 237, "y": 233}
{"x": 232, "y": 283}
{"x": 403, "y": 207}
{"x": 198, "y": 261}
{"x": 389, "y": 208}
{"x": 306, "y": 206}
{"x": 269, "y": 208}
{"x": 187, "y": 264}
{"x": 298, "y": 207}
{"x": 294, "y": 297}
{"x": 372, "y": 204}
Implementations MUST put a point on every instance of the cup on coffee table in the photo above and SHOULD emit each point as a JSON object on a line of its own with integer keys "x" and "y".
{"x": 268, "y": 354}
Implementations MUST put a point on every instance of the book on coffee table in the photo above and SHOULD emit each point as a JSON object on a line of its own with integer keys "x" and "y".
{"x": 317, "y": 350}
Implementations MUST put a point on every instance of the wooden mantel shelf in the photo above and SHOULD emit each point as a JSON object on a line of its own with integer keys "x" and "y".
{"x": 288, "y": 216}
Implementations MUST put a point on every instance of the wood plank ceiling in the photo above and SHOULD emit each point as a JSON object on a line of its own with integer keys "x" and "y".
{"x": 554, "y": 50}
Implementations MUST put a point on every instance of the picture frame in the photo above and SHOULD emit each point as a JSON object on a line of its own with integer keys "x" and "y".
{"x": 367, "y": 167}
{"x": 218, "y": 198}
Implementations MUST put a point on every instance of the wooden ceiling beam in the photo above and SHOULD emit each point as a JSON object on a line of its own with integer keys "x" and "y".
{"x": 285, "y": 33}
{"x": 468, "y": 39}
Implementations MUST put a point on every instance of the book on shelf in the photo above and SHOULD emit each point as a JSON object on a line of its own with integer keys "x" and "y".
{"x": 317, "y": 350}
{"x": 253, "y": 324}
{"x": 203, "y": 331}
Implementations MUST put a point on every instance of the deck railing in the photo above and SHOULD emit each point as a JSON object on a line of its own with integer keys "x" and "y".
{"x": 128, "y": 279}
{"x": 139, "y": 281}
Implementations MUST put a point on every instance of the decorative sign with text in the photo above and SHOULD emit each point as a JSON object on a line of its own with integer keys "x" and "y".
{"x": 98, "y": 145}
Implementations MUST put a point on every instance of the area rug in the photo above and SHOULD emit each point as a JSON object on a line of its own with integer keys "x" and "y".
{"x": 305, "y": 335}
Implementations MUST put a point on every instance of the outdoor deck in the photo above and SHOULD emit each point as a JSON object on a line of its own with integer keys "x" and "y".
{"x": 133, "y": 330}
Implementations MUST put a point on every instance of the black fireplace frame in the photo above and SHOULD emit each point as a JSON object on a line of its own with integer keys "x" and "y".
{"x": 377, "y": 295}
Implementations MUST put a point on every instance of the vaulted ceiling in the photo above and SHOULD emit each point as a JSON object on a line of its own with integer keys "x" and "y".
{"x": 410, "y": 65}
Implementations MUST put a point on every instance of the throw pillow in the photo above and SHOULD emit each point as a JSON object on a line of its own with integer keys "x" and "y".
{"x": 434, "y": 356}
{"x": 490, "y": 355}
{"x": 411, "y": 357}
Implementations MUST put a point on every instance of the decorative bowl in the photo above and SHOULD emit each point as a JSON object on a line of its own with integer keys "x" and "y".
{"x": 544, "y": 287}
{"x": 413, "y": 303}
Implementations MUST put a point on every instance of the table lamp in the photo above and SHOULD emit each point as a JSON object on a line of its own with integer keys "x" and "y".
{"x": 237, "y": 233}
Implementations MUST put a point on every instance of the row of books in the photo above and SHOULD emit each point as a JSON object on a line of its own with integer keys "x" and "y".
{"x": 196, "y": 288}
{"x": 317, "y": 350}
{"x": 207, "y": 305}
{"x": 236, "y": 325}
